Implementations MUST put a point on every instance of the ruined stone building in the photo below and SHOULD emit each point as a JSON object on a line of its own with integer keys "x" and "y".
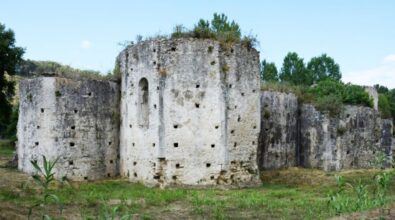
{"x": 186, "y": 112}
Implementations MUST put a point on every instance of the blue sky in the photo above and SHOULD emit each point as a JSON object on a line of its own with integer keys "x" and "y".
{"x": 358, "y": 34}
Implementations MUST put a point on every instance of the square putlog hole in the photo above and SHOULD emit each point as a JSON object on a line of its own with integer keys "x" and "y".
{"x": 175, "y": 144}
{"x": 208, "y": 165}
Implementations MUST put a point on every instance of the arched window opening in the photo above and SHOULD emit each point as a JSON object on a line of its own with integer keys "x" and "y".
{"x": 143, "y": 103}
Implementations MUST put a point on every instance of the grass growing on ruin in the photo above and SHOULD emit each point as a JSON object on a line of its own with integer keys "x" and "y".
{"x": 287, "y": 194}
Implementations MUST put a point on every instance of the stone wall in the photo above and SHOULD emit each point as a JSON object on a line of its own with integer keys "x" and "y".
{"x": 351, "y": 140}
{"x": 190, "y": 113}
{"x": 279, "y": 130}
{"x": 298, "y": 134}
{"x": 73, "y": 120}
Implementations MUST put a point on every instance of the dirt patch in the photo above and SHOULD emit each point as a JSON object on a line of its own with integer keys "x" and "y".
{"x": 375, "y": 214}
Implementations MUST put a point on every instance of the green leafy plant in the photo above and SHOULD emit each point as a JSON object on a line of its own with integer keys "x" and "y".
{"x": 219, "y": 28}
{"x": 362, "y": 195}
{"x": 106, "y": 212}
{"x": 45, "y": 174}
{"x": 44, "y": 177}
{"x": 380, "y": 160}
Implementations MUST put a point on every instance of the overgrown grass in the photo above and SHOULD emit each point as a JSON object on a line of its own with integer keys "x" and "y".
{"x": 293, "y": 193}
{"x": 288, "y": 195}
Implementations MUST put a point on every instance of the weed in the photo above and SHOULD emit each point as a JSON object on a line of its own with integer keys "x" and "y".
{"x": 380, "y": 160}
{"x": 44, "y": 177}
{"x": 341, "y": 130}
{"x": 225, "y": 68}
{"x": 111, "y": 213}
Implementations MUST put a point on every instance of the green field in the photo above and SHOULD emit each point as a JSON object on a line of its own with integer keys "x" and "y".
{"x": 287, "y": 194}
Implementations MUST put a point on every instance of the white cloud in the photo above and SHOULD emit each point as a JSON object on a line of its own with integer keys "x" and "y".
{"x": 389, "y": 59}
{"x": 86, "y": 44}
{"x": 384, "y": 74}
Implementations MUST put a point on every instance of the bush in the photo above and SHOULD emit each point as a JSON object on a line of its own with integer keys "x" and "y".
{"x": 356, "y": 95}
{"x": 326, "y": 96}
{"x": 384, "y": 106}
{"x": 329, "y": 103}
{"x": 219, "y": 28}
{"x": 346, "y": 93}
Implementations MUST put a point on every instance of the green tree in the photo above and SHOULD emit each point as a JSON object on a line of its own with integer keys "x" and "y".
{"x": 229, "y": 31}
{"x": 294, "y": 70}
{"x": 219, "y": 28}
{"x": 10, "y": 57}
{"x": 269, "y": 72}
{"x": 323, "y": 68}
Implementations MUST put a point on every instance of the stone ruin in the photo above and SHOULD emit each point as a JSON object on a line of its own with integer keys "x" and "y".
{"x": 187, "y": 112}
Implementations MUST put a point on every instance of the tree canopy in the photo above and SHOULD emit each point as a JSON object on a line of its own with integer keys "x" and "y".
{"x": 269, "y": 72}
{"x": 294, "y": 70}
{"x": 10, "y": 57}
{"x": 322, "y": 68}
{"x": 219, "y": 28}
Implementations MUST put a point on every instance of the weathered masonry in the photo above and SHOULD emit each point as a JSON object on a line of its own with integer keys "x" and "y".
{"x": 75, "y": 121}
{"x": 189, "y": 113}
{"x": 295, "y": 134}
